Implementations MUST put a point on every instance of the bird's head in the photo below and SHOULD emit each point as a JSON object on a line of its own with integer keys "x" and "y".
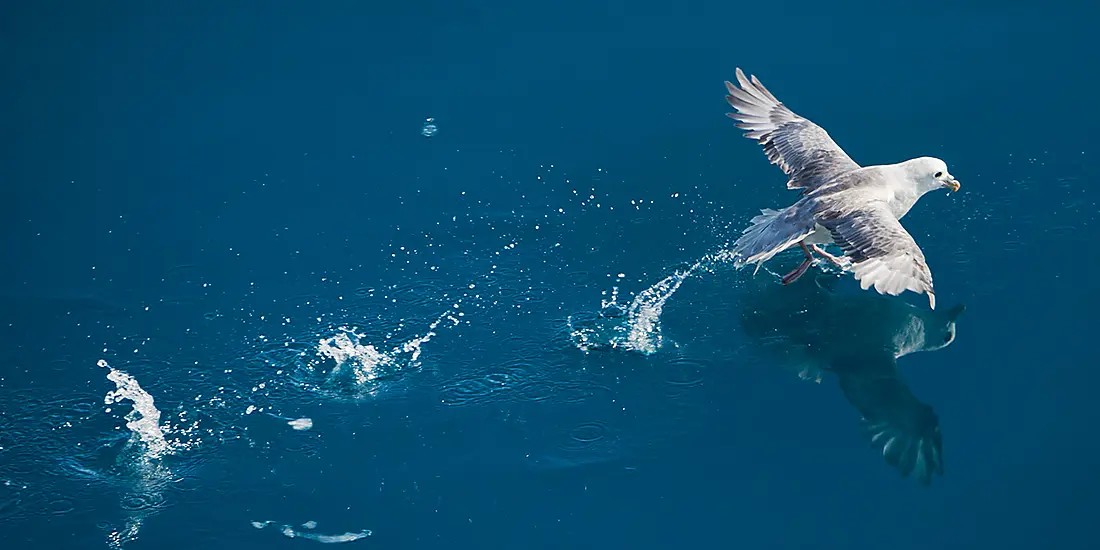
{"x": 940, "y": 328}
{"x": 931, "y": 173}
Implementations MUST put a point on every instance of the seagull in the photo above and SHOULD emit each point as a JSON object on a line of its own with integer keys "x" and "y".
{"x": 858, "y": 208}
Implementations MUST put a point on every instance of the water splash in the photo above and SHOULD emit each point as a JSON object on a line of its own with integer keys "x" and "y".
{"x": 357, "y": 359}
{"x": 143, "y": 454}
{"x": 144, "y": 420}
{"x": 636, "y": 327}
{"x": 365, "y": 364}
{"x": 429, "y": 129}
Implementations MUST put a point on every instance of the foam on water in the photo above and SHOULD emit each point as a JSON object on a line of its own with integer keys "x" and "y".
{"x": 291, "y": 532}
{"x": 301, "y": 424}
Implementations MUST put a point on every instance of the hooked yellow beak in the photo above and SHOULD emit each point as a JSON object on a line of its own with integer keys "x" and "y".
{"x": 952, "y": 183}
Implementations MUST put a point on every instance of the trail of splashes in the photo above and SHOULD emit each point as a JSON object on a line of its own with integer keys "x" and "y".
{"x": 368, "y": 364}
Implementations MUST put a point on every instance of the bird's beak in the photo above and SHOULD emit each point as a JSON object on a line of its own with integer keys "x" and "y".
{"x": 951, "y": 183}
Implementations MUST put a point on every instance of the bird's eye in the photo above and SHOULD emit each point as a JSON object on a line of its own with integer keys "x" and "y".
{"x": 939, "y": 174}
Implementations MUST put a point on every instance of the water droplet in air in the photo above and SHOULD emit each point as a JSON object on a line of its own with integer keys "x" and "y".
{"x": 429, "y": 128}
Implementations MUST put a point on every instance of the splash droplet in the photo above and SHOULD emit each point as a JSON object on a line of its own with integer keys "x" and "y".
{"x": 429, "y": 128}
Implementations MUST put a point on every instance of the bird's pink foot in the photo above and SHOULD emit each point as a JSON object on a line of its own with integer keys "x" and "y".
{"x": 798, "y": 272}
{"x": 802, "y": 267}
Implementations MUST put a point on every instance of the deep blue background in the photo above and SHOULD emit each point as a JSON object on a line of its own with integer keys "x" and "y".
{"x": 180, "y": 180}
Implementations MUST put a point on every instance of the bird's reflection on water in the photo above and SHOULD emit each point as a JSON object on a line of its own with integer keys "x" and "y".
{"x": 820, "y": 329}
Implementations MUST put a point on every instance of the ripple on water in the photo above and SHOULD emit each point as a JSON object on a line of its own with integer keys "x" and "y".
{"x": 20, "y": 464}
{"x": 588, "y": 432}
{"x": 684, "y": 372}
{"x": 61, "y": 366}
{"x": 519, "y": 368}
{"x": 519, "y": 343}
{"x": 85, "y": 406}
{"x": 1012, "y": 246}
{"x": 10, "y": 508}
{"x": 535, "y": 390}
{"x": 304, "y": 448}
{"x": 61, "y": 506}
{"x": 467, "y": 391}
{"x": 961, "y": 257}
{"x": 593, "y": 436}
{"x": 143, "y": 501}
{"x": 577, "y": 391}
{"x": 1062, "y": 230}
{"x": 502, "y": 379}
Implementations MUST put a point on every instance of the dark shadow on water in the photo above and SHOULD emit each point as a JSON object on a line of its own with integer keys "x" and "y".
{"x": 824, "y": 326}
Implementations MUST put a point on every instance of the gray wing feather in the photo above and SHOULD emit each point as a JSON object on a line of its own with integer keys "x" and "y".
{"x": 904, "y": 429}
{"x": 802, "y": 149}
{"x": 772, "y": 232}
{"x": 883, "y": 254}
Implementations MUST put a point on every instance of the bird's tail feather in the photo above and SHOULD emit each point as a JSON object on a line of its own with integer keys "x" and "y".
{"x": 770, "y": 232}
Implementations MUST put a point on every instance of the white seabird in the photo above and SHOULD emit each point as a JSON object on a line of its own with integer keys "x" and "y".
{"x": 857, "y": 208}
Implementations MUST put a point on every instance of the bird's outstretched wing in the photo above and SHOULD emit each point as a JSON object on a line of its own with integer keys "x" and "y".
{"x": 802, "y": 149}
{"x": 904, "y": 429}
{"x": 883, "y": 253}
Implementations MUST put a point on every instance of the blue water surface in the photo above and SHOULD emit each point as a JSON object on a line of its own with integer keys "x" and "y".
{"x": 520, "y": 332}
